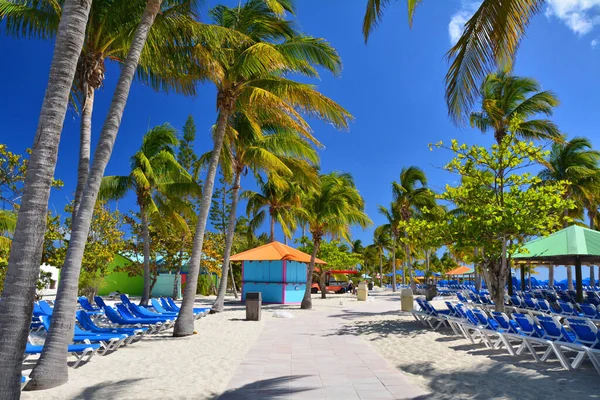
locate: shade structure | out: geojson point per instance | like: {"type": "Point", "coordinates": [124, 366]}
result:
{"type": "Point", "coordinates": [464, 270]}
{"type": "Point", "coordinates": [274, 251]}
{"type": "Point", "coordinates": [574, 245]}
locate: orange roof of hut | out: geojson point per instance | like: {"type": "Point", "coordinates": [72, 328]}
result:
{"type": "Point", "coordinates": [272, 252]}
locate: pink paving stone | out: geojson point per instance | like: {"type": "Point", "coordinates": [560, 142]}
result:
{"type": "Point", "coordinates": [308, 358]}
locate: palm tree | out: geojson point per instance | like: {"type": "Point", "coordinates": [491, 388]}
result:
{"type": "Point", "coordinates": [576, 162]}
{"type": "Point", "coordinates": [249, 79]}
{"type": "Point", "coordinates": [490, 38]}
{"type": "Point", "coordinates": [51, 369]}
{"type": "Point", "coordinates": [280, 153]}
{"type": "Point", "coordinates": [281, 203]}
{"type": "Point", "coordinates": [411, 195]}
{"type": "Point", "coordinates": [392, 215]}
{"type": "Point", "coordinates": [509, 102]}
{"type": "Point", "coordinates": [23, 270]}
{"type": "Point", "coordinates": [381, 242]}
{"type": "Point", "coordinates": [155, 175]}
{"type": "Point", "coordinates": [332, 210]}
{"type": "Point", "coordinates": [109, 31]}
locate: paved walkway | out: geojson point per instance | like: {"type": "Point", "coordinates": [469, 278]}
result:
{"type": "Point", "coordinates": [308, 357]}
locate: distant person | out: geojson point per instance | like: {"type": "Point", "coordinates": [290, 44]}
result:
{"type": "Point", "coordinates": [350, 287]}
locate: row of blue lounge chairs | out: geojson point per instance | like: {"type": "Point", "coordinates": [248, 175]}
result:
{"type": "Point", "coordinates": [571, 342]}
{"type": "Point", "coordinates": [104, 329]}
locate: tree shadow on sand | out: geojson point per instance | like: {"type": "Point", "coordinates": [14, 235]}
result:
{"type": "Point", "coordinates": [383, 329]}
{"type": "Point", "coordinates": [502, 382]}
{"type": "Point", "coordinates": [108, 390]}
{"type": "Point", "coordinates": [274, 388]}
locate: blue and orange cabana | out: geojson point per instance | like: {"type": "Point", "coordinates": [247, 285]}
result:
{"type": "Point", "coordinates": [276, 270]}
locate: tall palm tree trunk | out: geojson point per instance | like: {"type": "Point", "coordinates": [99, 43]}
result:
{"type": "Point", "coordinates": [235, 292]}
{"type": "Point", "coordinates": [178, 272]}
{"type": "Point", "coordinates": [307, 300]}
{"type": "Point", "coordinates": [85, 137]}
{"type": "Point", "coordinates": [413, 284]}
{"type": "Point", "coordinates": [394, 264]}
{"type": "Point", "coordinates": [380, 269]}
{"type": "Point", "coordinates": [569, 277]}
{"type": "Point", "coordinates": [272, 228]}
{"type": "Point", "coordinates": [146, 237]}
{"type": "Point", "coordinates": [184, 326]}
{"type": "Point", "coordinates": [235, 195]}
{"type": "Point", "coordinates": [16, 306]}
{"type": "Point", "coordinates": [51, 369]}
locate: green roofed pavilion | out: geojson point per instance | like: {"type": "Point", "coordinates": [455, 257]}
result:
{"type": "Point", "coordinates": [574, 245]}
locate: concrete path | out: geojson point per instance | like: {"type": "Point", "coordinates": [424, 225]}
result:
{"type": "Point", "coordinates": [308, 357]}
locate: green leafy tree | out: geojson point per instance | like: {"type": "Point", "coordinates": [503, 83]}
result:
{"type": "Point", "coordinates": [576, 162]}
{"type": "Point", "coordinates": [499, 206]}
{"type": "Point", "coordinates": [381, 242]}
{"type": "Point", "coordinates": [335, 254]}
{"type": "Point", "coordinates": [220, 208]}
{"type": "Point", "coordinates": [253, 79]}
{"type": "Point", "coordinates": [333, 210]}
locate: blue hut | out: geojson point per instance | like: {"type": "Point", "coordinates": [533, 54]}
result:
{"type": "Point", "coordinates": [276, 270]}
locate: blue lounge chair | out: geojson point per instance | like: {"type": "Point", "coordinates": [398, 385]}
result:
{"type": "Point", "coordinates": [160, 309]}
{"type": "Point", "coordinates": [199, 312]}
{"type": "Point", "coordinates": [562, 339]}
{"type": "Point", "coordinates": [100, 302]}
{"type": "Point", "coordinates": [142, 312]}
{"type": "Point", "coordinates": [109, 342]}
{"type": "Point", "coordinates": [587, 334]}
{"type": "Point", "coordinates": [590, 311]}
{"type": "Point", "coordinates": [86, 322]}
{"type": "Point", "coordinates": [126, 312]}
{"type": "Point", "coordinates": [531, 303]}
{"type": "Point", "coordinates": [80, 351]}
{"type": "Point", "coordinates": [85, 304]}
{"type": "Point", "coordinates": [568, 309]}
{"type": "Point", "coordinates": [130, 321]}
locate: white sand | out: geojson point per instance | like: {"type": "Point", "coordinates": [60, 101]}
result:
{"type": "Point", "coordinates": [163, 367]}
{"type": "Point", "coordinates": [450, 367]}
{"type": "Point", "coordinates": [199, 367]}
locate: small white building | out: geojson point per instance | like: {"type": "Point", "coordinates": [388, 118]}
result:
{"type": "Point", "coordinates": [50, 289]}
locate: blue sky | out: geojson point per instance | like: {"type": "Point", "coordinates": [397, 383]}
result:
{"type": "Point", "coordinates": [393, 87]}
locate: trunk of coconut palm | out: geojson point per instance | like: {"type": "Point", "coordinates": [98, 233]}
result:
{"type": "Point", "coordinates": [272, 225]}
{"type": "Point", "coordinates": [323, 283]}
{"type": "Point", "coordinates": [51, 369]}
{"type": "Point", "coordinates": [175, 295]}
{"type": "Point", "coordinates": [184, 326]}
{"type": "Point", "coordinates": [218, 304]}
{"type": "Point", "coordinates": [381, 269]}
{"type": "Point", "coordinates": [85, 137]}
{"type": "Point", "coordinates": [413, 284]}
{"type": "Point", "coordinates": [394, 263]}
{"type": "Point", "coordinates": [307, 300]}
{"type": "Point", "coordinates": [24, 263]}
{"type": "Point", "coordinates": [569, 277]}
{"type": "Point", "coordinates": [235, 293]}
{"type": "Point", "coordinates": [146, 237]}
{"type": "Point", "coordinates": [551, 276]}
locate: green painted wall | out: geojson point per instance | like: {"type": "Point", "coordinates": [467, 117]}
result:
{"type": "Point", "coordinates": [120, 281]}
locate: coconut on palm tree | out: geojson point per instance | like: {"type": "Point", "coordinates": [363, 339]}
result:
{"type": "Point", "coordinates": [574, 161]}
{"type": "Point", "coordinates": [333, 210]}
{"type": "Point", "coordinates": [280, 153]}
{"type": "Point", "coordinates": [251, 78]}
{"type": "Point", "coordinates": [155, 174]}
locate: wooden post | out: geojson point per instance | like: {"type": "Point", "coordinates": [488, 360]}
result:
{"type": "Point", "coordinates": [522, 278]}
{"type": "Point", "coordinates": [578, 279]}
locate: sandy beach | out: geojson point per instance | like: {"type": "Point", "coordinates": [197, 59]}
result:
{"type": "Point", "coordinates": [201, 366]}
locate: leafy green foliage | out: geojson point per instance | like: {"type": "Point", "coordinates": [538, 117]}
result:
{"type": "Point", "coordinates": [333, 252]}
{"type": "Point", "coordinates": [220, 207]}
